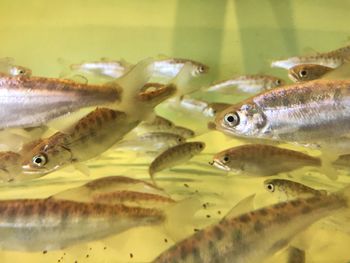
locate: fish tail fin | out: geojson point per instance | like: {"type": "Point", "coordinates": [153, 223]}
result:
{"type": "Point", "coordinates": [132, 83]}
{"type": "Point", "coordinates": [180, 217]}
{"type": "Point", "coordinates": [182, 79]}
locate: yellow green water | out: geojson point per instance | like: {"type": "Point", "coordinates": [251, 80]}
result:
{"type": "Point", "coordinates": [230, 36]}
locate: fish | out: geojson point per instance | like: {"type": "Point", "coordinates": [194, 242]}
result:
{"type": "Point", "coordinates": [303, 113]}
{"type": "Point", "coordinates": [332, 59]}
{"type": "Point", "coordinates": [118, 190]}
{"type": "Point", "coordinates": [203, 108]}
{"type": "Point", "coordinates": [53, 224]}
{"type": "Point", "coordinates": [92, 135]}
{"type": "Point", "coordinates": [287, 189]}
{"type": "Point", "coordinates": [247, 84]}
{"type": "Point", "coordinates": [262, 160]}
{"type": "Point", "coordinates": [43, 99]}
{"type": "Point", "coordinates": [156, 124]}
{"type": "Point", "coordinates": [256, 235]}
{"type": "Point", "coordinates": [152, 141]}
{"type": "Point", "coordinates": [171, 67]}
{"type": "Point", "coordinates": [183, 131]}
{"type": "Point", "coordinates": [10, 166]}
{"type": "Point", "coordinates": [104, 68]}
{"type": "Point", "coordinates": [307, 72]}
{"type": "Point", "coordinates": [175, 156]}
{"type": "Point", "coordinates": [296, 255]}
{"type": "Point", "coordinates": [7, 67]}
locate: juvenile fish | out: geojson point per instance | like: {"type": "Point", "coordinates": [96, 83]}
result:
{"type": "Point", "coordinates": [262, 160]}
{"type": "Point", "coordinates": [343, 161]}
{"type": "Point", "coordinates": [29, 102]}
{"type": "Point", "coordinates": [88, 138]}
{"type": "Point", "coordinates": [307, 72]}
{"type": "Point", "coordinates": [175, 156]}
{"type": "Point", "coordinates": [103, 68]}
{"type": "Point", "coordinates": [153, 141]}
{"type": "Point", "coordinates": [287, 189]}
{"type": "Point", "coordinates": [170, 67]}
{"type": "Point", "coordinates": [304, 113]}
{"type": "Point", "coordinates": [118, 190]}
{"type": "Point", "coordinates": [247, 83]}
{"type": "Point", "coordinates": [254, 236]}
{"type": "Point", "coordinates": [332, 59]}
{"type": "Point", "coordinates": [7, 67]}
{"type": "Point", "coordinates": [183, 131]}
{"type": "Point", "coordinates": [156, 124]}
{"type": "Point", "coordinates": [51, 224]}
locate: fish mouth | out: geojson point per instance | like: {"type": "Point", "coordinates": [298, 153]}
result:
{"type": "Point", "coordinates": [293, 76]}
{"type": "Point", "coordinates": [219, 165]}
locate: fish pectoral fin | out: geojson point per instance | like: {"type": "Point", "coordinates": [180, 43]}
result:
{"type": "Point", "coordinates": [83, 168]}
{"type": "Point", "coordinates": [243, 206]}
{"type": "Point", "coordinates": [342, 72]}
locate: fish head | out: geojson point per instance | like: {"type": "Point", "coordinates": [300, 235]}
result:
{"type": "Point", "coordinates": [276, 82]}
{"type": "Point", "coordinates": [197, 147]}
{"type": "Point", "coordinates": [199, 69]}
{"type": "Point", "coordinates": [228, 160]}
{"type": "Point", "coordinates": [46, 157]}
{"type": "Point", "coordinates": [20, 71]}
{"type": "Point", "coordinates": [306, 72]}
{"type": "Point", "coordinates": [270, 185]}
{"type": "Point", "coordinates": [243, 120]}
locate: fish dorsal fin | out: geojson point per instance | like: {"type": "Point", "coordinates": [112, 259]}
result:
{"type": "Point", "coordinates": [244, 206]}
{"type": "Point", "coordinates": [342, 72]}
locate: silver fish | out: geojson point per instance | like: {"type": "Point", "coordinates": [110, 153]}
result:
{"type": "Point", "coordinates": [332, 59]}
{"type": "Point", "coordinates": [7, 67]}
{"type": "Point", "coordinates": [254, 236]}
{"type": "Point", "coordinates": [247, 83]}
{"type": "Point", "coordinates": [305, 113]}
{"type": "Point", "coordinates": [103, 68]}
{"type": "Point", "coordinates": [170, 67]}
{"type": "Point", "coordinates": [29, 102]}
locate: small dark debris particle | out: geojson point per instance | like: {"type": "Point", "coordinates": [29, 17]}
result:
{"type": "Point", "coordinates": [90, 248]}
{"type": "Point", "coordinates": [64, 254]}
{"type": "Point", "coordinates": [131, 255]}
{"type": "Point", "coordinates": [196, 191]}
{"type": "Point", "coordinates": [208, 216]}
{"type": "Point", "coordinates": [58, 260]}
{"type": "Point", "coordinates": [219, 212]}
{"type": "Point", "coordinates": [196, 229]}
{"type": "Point", "coordinates": [45, 251]}
{"type": "Point", "coordinates": [186, 185]}
{"type": "Point", "coordinates": [165, 240]}
{"type": "Point", "coordinates": [205, 206]}
{"type": "Point", "coordinates": [76, 261]}
{"type": "Point", "coordinates": [105, 248]}
{"type": "Point", "coordinates": [87, 255]}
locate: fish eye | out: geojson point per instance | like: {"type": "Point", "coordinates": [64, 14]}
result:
{"type": "Point", "coordinates": [21, 72]}
{"type": "Point", "coordinates": [179, 140]}
{"type": "Point", "coordinates": [201, 69]}
{"type": "Point", "coordinates": [302, 73]}
{"type": "Point", "coordinates": [270, 188]}
{"type": "Point", "coordinates": [200, 146]}
{"type": "Point", "coordinates": [232, 119]}
{"type": "Point", "coordinates": [226, 159]}
{"type": "Point", "coordinates": [39, 160]}
{"type": "Point", "coordinates": [278, 82]}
